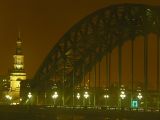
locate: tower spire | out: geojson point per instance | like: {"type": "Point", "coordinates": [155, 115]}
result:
{"type": "Point", "coordinates": [19, 35]}
{"type": "Point", "coordinates": [19, 45]}
{"type": "Point", "coordinates": [18, 74]}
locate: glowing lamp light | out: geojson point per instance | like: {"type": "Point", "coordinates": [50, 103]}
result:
{"type": "Point", "coordinates": [122, 95]}
{"type": "Point", "coordinates": [29, 95]}
{"type": "Point", "coordinates": [106, 96]}
{"type": "Point", "coordinates": [8, 97]}
{"type": "Point", "coordinates": [78, 96]}
{"type": "Point", "coordinates": [86, 95]}
{"type": "Point", "coordinates": [55, 95]}
{"type": "Point", "coordinates": [139, 96]}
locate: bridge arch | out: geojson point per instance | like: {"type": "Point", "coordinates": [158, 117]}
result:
{"type": "Point", "coordinates": [96, 36]}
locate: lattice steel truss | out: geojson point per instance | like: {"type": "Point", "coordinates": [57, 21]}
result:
{"type": "Point", "coordinates": [95, 35]}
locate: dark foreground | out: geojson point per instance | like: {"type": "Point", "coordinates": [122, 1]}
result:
{"type": "Point", "coordinates": [74, 113]}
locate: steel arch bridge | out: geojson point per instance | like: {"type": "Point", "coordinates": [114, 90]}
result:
{"type": "Point", "coordinates": [79, 53]}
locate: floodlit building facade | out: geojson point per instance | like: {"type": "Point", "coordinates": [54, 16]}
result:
{"type": "Point", "coordinates": [17, 73]}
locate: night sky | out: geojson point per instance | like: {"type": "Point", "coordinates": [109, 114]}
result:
{"type": "Point", "coordinates": [42, 24]}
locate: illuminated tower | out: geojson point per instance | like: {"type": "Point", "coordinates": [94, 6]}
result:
{"type": "Point", "coordinates": [18, 74]}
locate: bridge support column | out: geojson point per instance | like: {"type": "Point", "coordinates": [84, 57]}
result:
{"type": "Point", "coordinates": [145, 70]}
{"type": "Point", "coordinates": [120, 65]}
{"type": "Point", "coordinates": [94, 98]}
{"type": "Point", "coordinates": [108, 62]}
{"type": "Point", "coordinates": [73, 92]}
{"type": "Point", "coordinates": [119, 74]}
{"type": "Point", "coordinates": [158, 82]}
{"type": "Point", "coordinates": [64, 77]}
{"type": "Point", "coordinates": [132, 69]}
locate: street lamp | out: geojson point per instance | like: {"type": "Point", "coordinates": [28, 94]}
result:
{"type": "Point", "coordinates": [55, 96]}
{"type": "Point", "coordinates": [122, 92]}
{"type": "Point", "coordinates": [20, 100]}
{"type": "Point", "coordinates": [106, 96]}
{"type": "Point", "coordinates": [139, 96]}
{"type": "Point", "coordinates": [29, 95]}
{"type": "Point", "coordinates": [86, 95]}
{"type": "Point", "coordinates": [122, 95]}
{"type": "Point", "coordinates": [78, 96]}
{"type": "Point", "coordinates": [86, 99]}
{"type": "Point", "coordinates": [8, 97]}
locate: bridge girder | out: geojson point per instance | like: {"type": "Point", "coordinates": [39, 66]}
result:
{"type": "Point", "coordinates": [95, 35]}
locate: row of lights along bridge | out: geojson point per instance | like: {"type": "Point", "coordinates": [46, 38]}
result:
{"type": "Point", "coordinates": [83, 98]}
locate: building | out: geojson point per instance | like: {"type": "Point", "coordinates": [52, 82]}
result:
{"type": "Point", "coordinates": [17, 73]}
{"type": "Point", "coordinates": [4, 87]}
